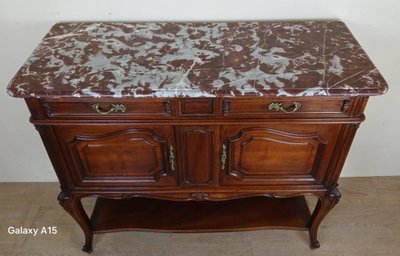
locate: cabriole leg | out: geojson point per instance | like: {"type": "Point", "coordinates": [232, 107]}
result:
{"type": "Point", "coordinates": [324, 205]}
{"type": "Point", "coordinates": [74, 208]}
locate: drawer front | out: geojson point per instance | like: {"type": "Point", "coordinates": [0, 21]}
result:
{"type": "Point", "coordinates": [99, 109]}
{"type": "Point", "coordinates": [277, 153]}
{"type": "Point", "coordinates": [196, 107]}
{"type": "Point", "coordinates": [287, 107]}
{"type": "Point", "coordinates": [119, 155]}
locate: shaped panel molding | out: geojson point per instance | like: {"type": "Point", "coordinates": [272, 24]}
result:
{"type": "Point", "coordinates": [198, 146]}
{"type": "Point", "coordinates": [131, 155]}
{"type": "Point", "coordinates": [259, 154]}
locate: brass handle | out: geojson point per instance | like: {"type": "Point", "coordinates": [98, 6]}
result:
{"type": "Point", "coordinates": [278, 107]}
{"type": "Point", "coordinates": [114, 108]}
{"type": "Point", "coordinates": [172, 158]}
{"type": "Point", "coordinates": [223, 157]}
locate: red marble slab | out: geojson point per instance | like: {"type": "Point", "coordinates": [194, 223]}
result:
{"type": "Point", "coordinates": [205, 59]}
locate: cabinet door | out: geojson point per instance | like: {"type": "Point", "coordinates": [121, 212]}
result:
{"type": "Point", "coordinates": [277, 153]}
{"type": "Point", "coordinates": [118, 155]}
{"type": "Point", "coordinates": [198, 147]}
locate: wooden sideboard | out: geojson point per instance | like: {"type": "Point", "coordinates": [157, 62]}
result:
{"type": "Point", "coordinates": [198, 127]}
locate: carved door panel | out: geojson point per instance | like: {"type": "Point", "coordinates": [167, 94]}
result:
{"type": "Point", "coordinates": [119, 155]}
{"type": "Point", "coordinates": [198, 154]}
{"type": "Point", "coordinates": [277, 153]}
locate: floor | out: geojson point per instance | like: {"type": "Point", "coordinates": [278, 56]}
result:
{"type": "Point", "coordinates": [365, 222]}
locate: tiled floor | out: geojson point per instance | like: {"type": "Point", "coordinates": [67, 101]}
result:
{"type": "Point", "coordinates": [365, 222]}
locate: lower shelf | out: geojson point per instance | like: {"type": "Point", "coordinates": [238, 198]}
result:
{"type": "Point", "coordinates": [205, 216]}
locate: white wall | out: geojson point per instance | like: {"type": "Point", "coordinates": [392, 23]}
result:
{"type": "Point", "coordinates": [374, 23]}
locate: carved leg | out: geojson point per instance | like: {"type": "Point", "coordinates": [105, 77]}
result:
{"type": "Point", "coordinates": [75, 209]}
{"type": "Point", "coordinates": [324, 205]}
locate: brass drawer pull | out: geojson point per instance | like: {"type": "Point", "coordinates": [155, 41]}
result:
{"type": "Point", "coordinates": [114, 108]}
{"type": "Point", "coordinates": [278, 107]}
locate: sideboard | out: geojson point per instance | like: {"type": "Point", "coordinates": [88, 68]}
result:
{"type": "Point", "coordinates": [198, 127]}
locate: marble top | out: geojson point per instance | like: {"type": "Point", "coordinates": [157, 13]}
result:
{"type": "Point", "coordinates": [204, 59]}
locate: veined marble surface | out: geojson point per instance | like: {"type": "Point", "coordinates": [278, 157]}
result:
{"type": "Point", "coordinates": [157, 59]}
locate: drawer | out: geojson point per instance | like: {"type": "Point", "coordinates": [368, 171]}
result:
{"type": "Point", "coordinates": [193, 107]}
{"type": "Point", "coordinates": [106, 108]}
{"type": "Point", "coordinates": [287, 107]}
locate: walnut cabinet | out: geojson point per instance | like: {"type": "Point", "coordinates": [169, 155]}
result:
{"type": "Point", "coordinates": [198, 126]}
{"type": "Point", "coordinates": [212, 155]}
